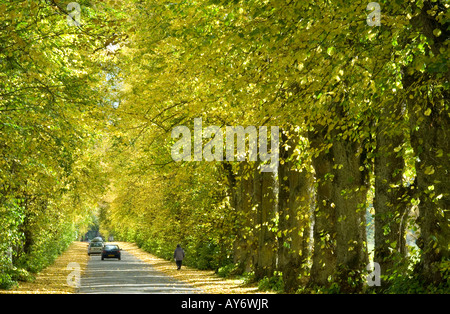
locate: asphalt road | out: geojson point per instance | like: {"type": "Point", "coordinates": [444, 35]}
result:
{"type": "Point", "coordinates": [129, 275]}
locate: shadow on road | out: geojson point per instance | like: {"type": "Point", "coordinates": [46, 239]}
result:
{"type": "Point", "coordinates": [129, 275]}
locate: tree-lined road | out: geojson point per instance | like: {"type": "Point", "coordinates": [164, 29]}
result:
{"type": "Point", "coordinates": [136, 123]}
{"type": "Point", "coordinates": [129, 275]}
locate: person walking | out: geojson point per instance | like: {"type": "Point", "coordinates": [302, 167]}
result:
{"type": "Point", "coordinates": [178, 255]}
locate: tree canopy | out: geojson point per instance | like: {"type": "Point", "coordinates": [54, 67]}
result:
{"type": "Point", "coordinates": [360, 99]}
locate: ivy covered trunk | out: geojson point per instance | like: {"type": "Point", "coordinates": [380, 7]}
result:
{"type": "Point", "coordinates": [391, 200]}
{"type": "Point", "coordinates": [430, 139]}
{"type": "Point", "coordinates": [428, 106]}
{"type": "Point", "coordinates": [265, 200]}
{"type": "Point", "coordinates": [324, 216]}
{"type": "Point", "coordinates": [293, 209]}
{"type": "Point", "coordinates": [349, 200]}
{"type": "Point", "coordinates": [244, 245]}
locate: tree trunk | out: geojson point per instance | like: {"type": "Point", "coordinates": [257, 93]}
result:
{"type": "Point", "coordinates": [265, 198]}
{"type": "Point", "coordinates": [428, 107]}
{"type": "Point", "coordinates": [293, 209]}
{"type": "Point", "coordinates": [340, 249]}
{"type": "Point", "coordinates": [244, 251]}
{"type": "Point", "coordinates": [430, 140]}
{"type": "Point", "coordinates": [390, 201]}
{"type": "Point", "coordinates": [324, 229]}
{"type": "Point", "coordinates": [349, 193]}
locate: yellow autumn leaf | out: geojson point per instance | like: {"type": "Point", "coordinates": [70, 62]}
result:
{"type": "Point", "coordinates": [429, 170]}
{"type": "Point", "coordinates": [437, 32]}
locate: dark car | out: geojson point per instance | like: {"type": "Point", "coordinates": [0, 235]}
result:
{"type": "Point", "coordinates": [111, 251]}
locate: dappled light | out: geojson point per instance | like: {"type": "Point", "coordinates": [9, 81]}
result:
{"type": "Point", "coordinates": [206, 280]}
{"type": "Point", "coordinates": [282, 146]}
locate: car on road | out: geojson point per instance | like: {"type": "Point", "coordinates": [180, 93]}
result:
{"type": "Point", "coordinates": [95, 247]}
{"type": "Point", "coordinates": [111, 251]}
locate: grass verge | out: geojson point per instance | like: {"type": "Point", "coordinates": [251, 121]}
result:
{"type": "Point", "coordinates": [53, 279]}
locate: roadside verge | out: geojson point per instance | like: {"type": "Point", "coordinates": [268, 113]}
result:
{"type": "Point", "coordinates": [53, 279]}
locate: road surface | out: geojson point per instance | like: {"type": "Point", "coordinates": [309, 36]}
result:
{"type": "Point", "coordinates": [129, 275]}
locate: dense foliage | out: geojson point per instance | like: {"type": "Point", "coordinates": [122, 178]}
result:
{"type": "Point", "coordinates": [364, 119]}
{"type": "Point", "coordinates": [52, 107]}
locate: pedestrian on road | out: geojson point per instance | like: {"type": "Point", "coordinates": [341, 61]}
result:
{"type": "Point", "coordinates": [178, 255]}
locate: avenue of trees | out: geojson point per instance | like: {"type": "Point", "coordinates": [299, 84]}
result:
{"type": "Point", "coordinates": [87, 114]}
{"type": "Point", "coordinates": [52, 107]}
